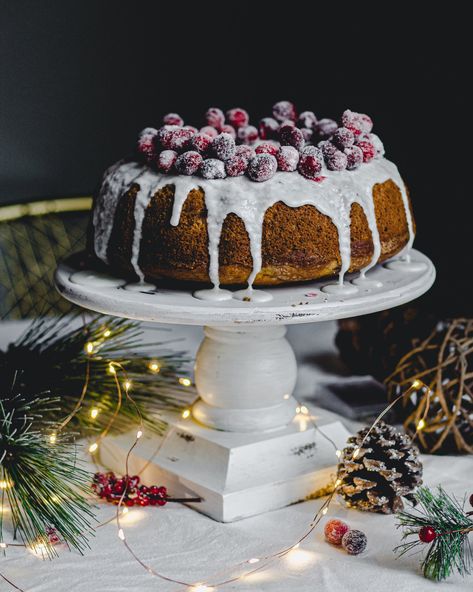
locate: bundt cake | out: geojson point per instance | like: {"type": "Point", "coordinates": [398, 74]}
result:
{"type": "Point", "coordinates": [299, 199]}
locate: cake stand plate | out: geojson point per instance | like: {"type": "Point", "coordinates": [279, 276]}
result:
{"type": "Point", "coordinates": [248, 447]}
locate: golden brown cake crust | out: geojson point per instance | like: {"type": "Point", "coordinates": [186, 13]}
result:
{"type": "Point", "coordinates": [298, 243]}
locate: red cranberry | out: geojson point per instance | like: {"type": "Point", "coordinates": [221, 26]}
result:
{"type": "Point", "coordinates": [336, 161]}
{"type": "Point", "coordinates": [310, 165]}
{"type": "Point", "coordinates": [368, 150]}
{"type": "Point", "coordinates": [174, 138]}
{"type": "Point", "coordinates": [188, 163]}
{"type": "Point", "coordinates": [307, 119]}
{"type": "Point", "coordinates": [212, 168]}
{"type": "Point", "coordinates": [313, 151]}
{"type": "Point", "coordinates": [130, 503]}
{"type": "Point", "coordinates": [161, 502]}
{"type": "Point", "coordinates": [238, 117]}
{"type": "Point", "coordinates": [284, 110]}
{"type": "Point", "coordinates": [288, 158]}
{"type": "Point", "coordinates": [165, 135]}
{"type": "Point", "coordinates": [173, 119]}
{"type": "Point", "coordinates": [144, 501]}
{"type": "Point", "coordinates": [326, 127]}
{"type": "Point", "coordinates": [166, 160]}
{"type": "Point", "coordinates": [209, 130]}
{"type": "Point", "coordinates": [215, 117]}
{"type": "Point", "coordinates": [146, 143]}
{"type": "Point", "coordinates": [267, 148]}
{"type": "Point", "coordinates": [354, 157]}
{"type": "Point", "coordinates": [378, 145]}
{"type": "Point", "coordinates": [291, 136]}
{"type": "Point", "coordinates": [191, 128]}
{"type": "Point", "coordinates": [427, 534]}
{"type": "Point", "coordinates": [262, 167]}
{"type": "Point", "coordinates": [228, 129]}
{"type": "Point", "coordinates": [358, 123]}
{"type": "Point", "coordinates": [268, 128]}
{"type": "Point", "coordinates": [247, 134]}
{"type": "Point", "coordinates": [343, 138]}
{"type": "Point", "coordinates": [200, 142]}
{"type": "Point", "coordinates": [245, 150]}
{"type": "Point", "coordinates": [287, 122]}
{"type": "Point", "coordinates": [236, 165]}
{"type": "Point", "coordinates": [223, 146]}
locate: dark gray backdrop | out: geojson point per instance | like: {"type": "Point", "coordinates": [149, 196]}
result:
{"type": "Point", "coordinates": [78, 80]}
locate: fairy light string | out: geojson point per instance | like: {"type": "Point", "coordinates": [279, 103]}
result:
{"type": "Point", "coordinates": [248, 566]}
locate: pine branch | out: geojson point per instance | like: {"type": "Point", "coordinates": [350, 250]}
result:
{"type": "Point", "coordinates": [450, 551]}
{"type": "Point", "coordinates": [53, 360]}
{"type": "Point", "coordinates": [43, 482]}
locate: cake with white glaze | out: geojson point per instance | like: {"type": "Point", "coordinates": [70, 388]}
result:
{"type": "Point", "coordinates": [296, 199]}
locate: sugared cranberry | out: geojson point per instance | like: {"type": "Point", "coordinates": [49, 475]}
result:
{"type": "Point", "coordinates": [326, 127]}
{"type": "Point", "coordinates": [173, 119]}
{"type": "Point", "coordinates": [191, 128]}
{"type": "Point", "coordinates": [228, 129]}
{"type": "Point", "coordinates": [336, 161]}
{"type": "Point", "coordinates": [166, 160]}
{"type": "Point", "coordinates": [287, 122]}
{"type": "Point", "coordinates": [307, 119]}
{"type": "Point", "coordinates": [215, 117]}
{"type": "Point", "coordinates": [291, 136]}
{"type": "Point", "coordinates": [310, 165]}
{"type": "Point", "coordinates": [343, 138]}
{"type": "Point", "coordinates": [174, 138]}
{"type": "Point", "coordinates": [146, 143]}
{"type": "Point", "coordinates": [236, 165]}
{"type": "Point", "coordinates": [223, 146]}
{"type": "Point", "coordinates": [284, 110]}
{"type": "Point", "coordinates": [200, 142]}
{"type": "Point", "coordinates": [267, 148]}
{"type": "Point", "coordinates": [358, 123]}
{"type": "Point", "coordinates": [307, 133]}
{"type": "Point", "coordinates": [313, 151]}
{"type": "Point", "coordinates": [209, 130]}
{"type": "Point", "coordinates": [247, 134]}
{"type": "Point", "coordinates": [354, 157]}
{"type": "Point", "coordinates": [245, 150]}
{"type": "Point", "coordinates": [288, 158]}
{"type": "Point", "coordinates": [262, 167]}
{"type": "Point", "coordinates": [238, 117]}
{"type": "Point", "coordinates": [212, 168]}
{"type": "Point", "coordinates": [368, 150]}
{"type": "Point", "coordinates": [375, 140]}
{"type": "Point", "coordinates": [188, 163]}
{"type": "Point", "coordinates": [165, 134]}
{"type": "Point", "coordinates": [328, 149]}
{"type": "Point", "coordinates": [268, 128]}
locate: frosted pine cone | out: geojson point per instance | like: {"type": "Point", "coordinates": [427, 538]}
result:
{"type": "Point", "coordinates": [386, 468]}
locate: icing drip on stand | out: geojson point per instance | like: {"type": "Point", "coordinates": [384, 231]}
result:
{"type": "Point", "coordinates": [333, 196]}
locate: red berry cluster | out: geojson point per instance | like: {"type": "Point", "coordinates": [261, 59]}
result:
{"type": "Point", "coordinates": [110, 487]}
{"type": "Point", "coordinates": [285, 142]}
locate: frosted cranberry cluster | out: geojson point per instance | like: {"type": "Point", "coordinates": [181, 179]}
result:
{"type": "Point", "coordinates": [230, 146]}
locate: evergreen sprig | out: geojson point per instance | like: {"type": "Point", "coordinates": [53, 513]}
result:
{"type": "Point", "coordinates": [53, 360]}
{"type": "Point", "coordinates": [450, 551]}
{"type": "Point", "coordinates": [42, 481]}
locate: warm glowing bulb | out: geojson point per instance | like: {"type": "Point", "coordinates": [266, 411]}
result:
{"type": "Point", "coordinates": [107, 333]}
{"type": "Point", "coordinates": [93, 447]}
{"type": "Point", "coordinates": [154, 367]}
{"type": "Point", "coordinates": [417, 384]}
{"type": "Point", "coordinates": [286, 396]}
{"type": "Point", "coordinates": [304, 410]}
{"type": "Point", "coordinates": [125, 510]}
{"type": "Point", "coordinates": [3, 545]}
{"type": "Point", "coordinates": [296, 546]}
{"type": "Point", "coordinates": [127, 385]}
{"type": "Point", "coordinates": [111, 369]}
{"type": "Point", "coordinates": [185, 381]}
{"type": "Point", "coordinates": [338, 453]}
{"type": "Point", "coordinates": [121, 534]}
{"type": "Point", "coordinates": [356, 452]}
{"type": "Point", "coordinates": [53, 438]}
{"type": "Point", "coordinates": [421, 424]}
{"type": "Point", "coordinates": [89, 347]}
{"type": "Point", "coordinates": [338, 482]}
{"type": "Point", "coordinates": [253, 560]}
{"type": "Point", "coordinates": [4, 484]}
{"type": "Point", "coordinates": [200, 588]}
{"type": "Point", "coordinates": [298, 409]}
{"type": "Point", "coordinates": [139, 433]}
{"type": "Point", "coordinates": [186, 413]}
{"type": "Point", "coordinates": [324, 511]}
{"type": "Point", "coordinates": [94, 412]}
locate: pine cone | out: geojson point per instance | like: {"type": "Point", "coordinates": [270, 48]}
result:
{"type": "Point", "coordinates": [386, 468]}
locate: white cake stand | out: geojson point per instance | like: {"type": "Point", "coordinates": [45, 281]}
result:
{"type": "Point", "coordinates": [246, 449]}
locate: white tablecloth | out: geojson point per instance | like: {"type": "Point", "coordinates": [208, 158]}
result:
{"type": "Point", "coordinates": [184, 544]}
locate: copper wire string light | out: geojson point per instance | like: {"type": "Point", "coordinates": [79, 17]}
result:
{"type": "Point", "coordinates": [248, 566]}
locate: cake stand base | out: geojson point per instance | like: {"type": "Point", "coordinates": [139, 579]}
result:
{"type": "Point", "coordinates": [237, 475]}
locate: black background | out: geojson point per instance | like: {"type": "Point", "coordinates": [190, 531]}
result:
{"type": "Point", "coordinates": [78, 80]}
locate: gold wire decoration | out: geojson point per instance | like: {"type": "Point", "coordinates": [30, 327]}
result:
{"type": "Point", "coordinates": [444, 361]}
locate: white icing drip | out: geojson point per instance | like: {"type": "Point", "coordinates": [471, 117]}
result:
{"type": "Point", "coordinates": [333, 197]}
